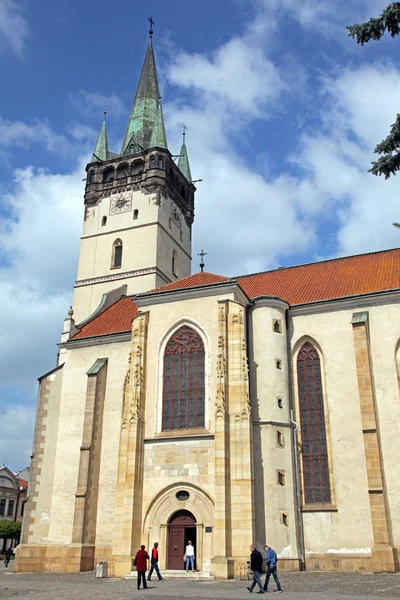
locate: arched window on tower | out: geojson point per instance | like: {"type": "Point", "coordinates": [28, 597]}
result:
{"type": "Point", "coordinates": [91, 176]}
{"type": "Point", "coordinates": [160, 162]}
{"type": "Point", "coordinates": [183, 381]}
{"type": "Point", "coordinates": [116, 254]}
{"type": "Point", "coordinates": [174, 265]}
{"type": "Point", "coordinates": [316, 481]}
{"type": "Point", "coordinates": [152, 162]}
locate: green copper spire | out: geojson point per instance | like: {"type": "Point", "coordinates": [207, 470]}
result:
{"type": "Point", "coordinates": [158, 136]}
{"type": "Point", "coordinates": [101, 149]}
{"type": "Point", "coordinates": [144, 109]}
{"type": "Point", "coordinates": [183, 162]}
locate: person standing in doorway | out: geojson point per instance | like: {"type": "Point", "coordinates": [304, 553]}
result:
{"type": "Point", "coordinates": [256, 561]}
{"type": "Point", "coordinates": [154, 563]}
{"type": "Point", "coordinates": [141, 566]}
{"type": "Point", "coordinates": [272, 568]}
{"type": "Point", "coordinates": [189, 556]}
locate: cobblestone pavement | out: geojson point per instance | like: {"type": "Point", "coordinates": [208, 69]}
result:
{"type": "Point", "coordinates": [301, 586]}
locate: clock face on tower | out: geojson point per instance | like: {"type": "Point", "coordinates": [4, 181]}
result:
{"type": "Point", "coordinates": [120, 203]}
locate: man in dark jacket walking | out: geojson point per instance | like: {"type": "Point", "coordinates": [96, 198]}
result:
{"type": "Point", "coordinates": [271, 560]}
{"type": "Point", "coordinates": [154, 563]}
{"type": "Point", "coordinates": [141, 566]}
{"type": "Point", "coordinates": [256, 561]}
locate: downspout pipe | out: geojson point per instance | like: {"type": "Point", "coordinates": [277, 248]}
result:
{"type": "Point", "coordinates": [295, 428]}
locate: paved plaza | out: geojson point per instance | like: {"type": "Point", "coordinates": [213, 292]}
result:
{"type": "Point", "coordinates": [301, 586]}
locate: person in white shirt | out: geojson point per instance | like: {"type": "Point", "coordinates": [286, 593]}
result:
{"type": "Point", "coordinates": [189, 556]}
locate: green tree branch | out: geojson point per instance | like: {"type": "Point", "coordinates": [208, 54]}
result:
{"type": "Point", "coordinates": [389, 163]}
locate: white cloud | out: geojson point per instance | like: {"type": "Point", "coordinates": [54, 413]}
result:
{"type": "Point", "coordinates": [14, 28]}
{"type": "Point", "coordinates": [16, 426]}
{"type": "Point", "coordinates": [92, 104]}
{"type": "Point", "coordinates": [24, 135]}
{"type": "Point", "coordinates": [237, 74]}
{"type": "Point", "coordinates": [39, 245]}
{"type": "Point", "coordinates": [320, 16]}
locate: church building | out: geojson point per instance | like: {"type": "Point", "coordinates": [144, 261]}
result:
{"type": "Point", "coordinates": [225, 410]}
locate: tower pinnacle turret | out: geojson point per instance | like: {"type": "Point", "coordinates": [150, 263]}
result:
{"type": "Point", "coordinates": [101, 149]}
{"type": "Point", "coordinates": [183, 162]}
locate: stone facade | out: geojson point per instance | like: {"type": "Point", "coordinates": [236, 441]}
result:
{"type": "Point", "coordinates": [120, 485]}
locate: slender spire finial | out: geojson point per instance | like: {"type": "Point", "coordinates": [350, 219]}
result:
{"type": "Point", "coordinates": [202, 254]}
{"type": "Point", "coordinates": [184, 134]}
{"type": "Point", "coordinates": [151, 27]}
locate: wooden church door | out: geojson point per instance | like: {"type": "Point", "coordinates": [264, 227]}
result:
{"type": "Point", "coordinates": [181, 524]}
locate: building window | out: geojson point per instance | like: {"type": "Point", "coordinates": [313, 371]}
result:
{"type": "Point", "coordinates": [160, 162]}
{"type": "Point", "coordinates": [152, 162]}
{"type": "Point", "coordinates": [135, 213]}
{"type": "Point", "coordinates": [277, 326]}
{"type": "Point", "coordinates": [279, 402]}
{"type": "Point", "coordinates": [174, 265]}
{"type": "Point", "coordinates": [104, 221]}
{"type": "Point", "coordinates": [109, 175]}
{"type": "Point", "coordinates": [91, 176]}
{"type": "Point", "coordinates": [278, 364]}
{"type": "Point", "coordinates": [10, 508]}
{"type": "Point", "coordinates": [285, 519]}
{"type": "Point", "coordinates": [23, 508]}
{"type": "Point", "coordinates": [117, 254]}
{"type": "Point", "coordinates": [312, 426]}
{"type": "Point", "coordinates": [280, 439]}
{"type": "Point", "coordinates": [2, 506]}
{"type": "Point", "coordinates": [183, 381]}
{"type": "Point", "coordinates": [280, 478]}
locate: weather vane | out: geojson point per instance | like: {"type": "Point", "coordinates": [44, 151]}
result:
{"type": "Point", "coordinates": [202, 254]}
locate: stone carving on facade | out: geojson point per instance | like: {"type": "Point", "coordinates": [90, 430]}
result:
{"type": "Point", "coordinates": [134, 381]}
{"type": "Point", "coordinates": [220, 404]}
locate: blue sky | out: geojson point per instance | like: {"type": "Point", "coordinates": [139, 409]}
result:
{"type": "Point", "coordinates": [283, 112]}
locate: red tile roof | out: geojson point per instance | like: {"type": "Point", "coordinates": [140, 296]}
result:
{"type": "Point", "coordinates": [23, 483]}
{"type": "Point", "coordinates": [326, 280]}
{"type": "Point", "coordinates": [115, 319]}
{"type": "Point", "coordinates": [196, 280]}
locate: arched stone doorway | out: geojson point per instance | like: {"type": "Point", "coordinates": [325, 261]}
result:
{"type": "Point", "coordinates": [181, 529]}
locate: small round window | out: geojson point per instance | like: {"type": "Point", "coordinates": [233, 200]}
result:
{"type": "Point", "coordinates": [182, 495]}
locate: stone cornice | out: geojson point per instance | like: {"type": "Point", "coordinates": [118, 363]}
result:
{"type": "Point", "coordinates": [99, 340]}
{"type": "Point", "coordinates": [176, 438]}
{"type": "Point", "coordinates": [270, 302]}
{"type": "Point", "coordinates": [193, 293]}
{"type": "Point", "coordinates": [125, 275]}
{"type": "Point", "coordinates": [349, 303]}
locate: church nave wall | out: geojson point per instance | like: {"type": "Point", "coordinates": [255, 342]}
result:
{"type": "Point", "coordinates": [347, 530]}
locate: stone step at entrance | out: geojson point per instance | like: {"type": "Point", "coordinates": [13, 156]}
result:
{"type": "Point", "coordinates": [178, 574]}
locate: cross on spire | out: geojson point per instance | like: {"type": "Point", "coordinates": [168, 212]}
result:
{"type": "Point", "coordinates": [202, 254]}
{"type": "Point", "coordinates": [151, 26]}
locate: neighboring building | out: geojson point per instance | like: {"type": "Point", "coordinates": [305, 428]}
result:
{"type": "Point", "coordinates": [13, 492]}
{"type": "Point", "coordinates": [174, 413]}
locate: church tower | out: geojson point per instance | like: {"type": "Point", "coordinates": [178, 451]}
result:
{"type": "Point", "coordinates": [139, 206]}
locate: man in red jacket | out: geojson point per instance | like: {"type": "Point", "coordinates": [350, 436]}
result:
{"type": "Point", "coordinates": [141, 566]}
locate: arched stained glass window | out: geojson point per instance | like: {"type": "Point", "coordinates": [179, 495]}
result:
{"type": "Point", "coordinates": [183, 384]}
{"type": "Point", "coordinates": [313, 431]}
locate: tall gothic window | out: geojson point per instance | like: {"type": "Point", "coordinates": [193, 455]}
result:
{"type": "Point", "coordinates": [117, 254]}
{"type": "Point", "coordinates": [183, 385]}
{"type": "Point", "coordinates": [313, 431]}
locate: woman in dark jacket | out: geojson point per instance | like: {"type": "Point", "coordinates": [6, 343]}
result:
{"type": "Point", "coordinates": [141, 566]}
